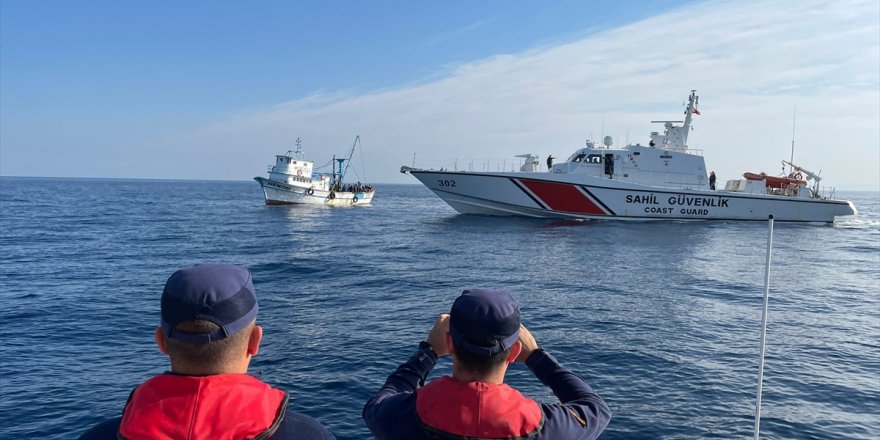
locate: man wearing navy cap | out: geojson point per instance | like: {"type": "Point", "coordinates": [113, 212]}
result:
{"type": "Point", "coordinates": [209, 332]}
{"type": "Point", "coordinates": [484, 335]}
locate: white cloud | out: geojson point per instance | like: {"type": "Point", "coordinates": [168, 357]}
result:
{"type": "Point", "coordinates": [753, 63]}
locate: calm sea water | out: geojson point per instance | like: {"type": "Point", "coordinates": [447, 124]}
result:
{"type": "Point", "coordinates": [663, 319]}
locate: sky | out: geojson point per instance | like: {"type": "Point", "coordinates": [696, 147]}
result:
{"type": "Point", "coordinates": [213, 90]}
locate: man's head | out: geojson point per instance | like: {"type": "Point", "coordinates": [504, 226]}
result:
{"type": "Point", "coordinates": [208, 315]}
{"type": "Point", "coordinates": [483, 328]}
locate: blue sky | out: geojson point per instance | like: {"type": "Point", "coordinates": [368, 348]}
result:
{"type": "Point", "coordinates": [150, 89]}
{"type": "Point", "coordinates": [173, 64]}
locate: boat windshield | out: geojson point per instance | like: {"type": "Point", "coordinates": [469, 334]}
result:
{"type": "Point", "coordinates": [586, 158]}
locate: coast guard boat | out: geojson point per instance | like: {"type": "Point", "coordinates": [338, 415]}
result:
{"type": "Point", "coordinates": [292, 180]}
{"type": "Point", "coordinates": [663, 180]}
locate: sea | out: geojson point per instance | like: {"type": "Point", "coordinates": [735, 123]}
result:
{"type": "Point", "coordinates": [662, 319]}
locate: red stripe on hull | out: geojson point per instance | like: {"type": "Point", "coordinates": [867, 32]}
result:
{"type": "Point", "coordinates": [563, 197]}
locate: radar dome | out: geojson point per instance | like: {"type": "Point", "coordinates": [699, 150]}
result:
{"type": "Point", "coordinates": [608, 141]}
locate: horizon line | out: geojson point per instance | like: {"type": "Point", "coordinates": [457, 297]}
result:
{"type": "Point", "coordinates": [845, 187]}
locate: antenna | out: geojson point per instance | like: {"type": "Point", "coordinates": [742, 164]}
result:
{"type": "Point", "coordinates": [793, 122]}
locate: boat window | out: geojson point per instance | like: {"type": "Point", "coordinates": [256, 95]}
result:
{"type": "Point", "coordinates": [579, 157]}
{"type": "Point", "coordinates": [280, 159]}
{"type": "Point", "coordinates": [594, 158]}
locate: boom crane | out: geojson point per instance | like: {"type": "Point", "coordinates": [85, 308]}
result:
{"type": "Point", "coordinates": [809, 174]}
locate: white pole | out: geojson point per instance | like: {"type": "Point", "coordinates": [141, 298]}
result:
{"type": "Point", "coordinates": [763, 329]}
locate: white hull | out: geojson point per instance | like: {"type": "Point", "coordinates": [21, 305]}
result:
{"type": "Point", "coordinates": [280, 193]}
{"type": "Point", "coordinates": [551, 195]}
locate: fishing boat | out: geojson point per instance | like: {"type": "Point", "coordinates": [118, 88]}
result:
{"type": "Point", "coordinates": [293, 180]}
{"type": "Point", "coordinates": [664, 180]}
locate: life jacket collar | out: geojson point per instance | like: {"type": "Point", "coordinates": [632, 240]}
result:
{"type": "Point", "coordinates": [449, 408]}
{"type": "Point", "coordinates": [217, 407]}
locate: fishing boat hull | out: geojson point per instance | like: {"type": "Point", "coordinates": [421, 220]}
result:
{"type": "Point", "coordinates": [281, 193]}
{"type": "Point", "coordinates": [550, 195]}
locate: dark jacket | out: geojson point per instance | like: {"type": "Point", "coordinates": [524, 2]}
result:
{"type": "Point", "coordinates": [226, 406]}
{"type": "Point", "coordinates": [475, 410]}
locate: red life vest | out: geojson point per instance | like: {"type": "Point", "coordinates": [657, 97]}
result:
{"type": "Point", "coordinates": [477, 410]}
{"type": "Point", "coordinates": [219, 407]}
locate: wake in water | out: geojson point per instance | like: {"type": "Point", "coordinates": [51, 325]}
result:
{"type": "Point", "coordinates": [857, 222]}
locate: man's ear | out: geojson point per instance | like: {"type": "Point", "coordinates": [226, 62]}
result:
{"type": "Point", "coordinates": [161, 342]}
{"type": "Point", "coordinates": [514, 352]}
{"type": "Point", "coordinates": [254, 340]}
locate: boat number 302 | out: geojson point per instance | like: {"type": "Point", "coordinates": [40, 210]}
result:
{"type": "Point", "coordinates": [449, 183]}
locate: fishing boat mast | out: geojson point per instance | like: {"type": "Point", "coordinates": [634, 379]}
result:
{"type": "Point", "coordinates": [298, 153]}
{"type": "Point", "coordinates": [347, 160]}
{"type": "Point", "coordinates": [341, 165]}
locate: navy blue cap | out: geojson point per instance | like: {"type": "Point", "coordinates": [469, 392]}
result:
{"type": "Point", "coordinates": [220, 293]}
{"type": "Point", "coordinates": [480, 316]}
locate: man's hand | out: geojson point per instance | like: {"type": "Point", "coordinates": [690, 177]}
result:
{"type": "Point", "coordinates": [437, 336]}
{"type": "Point", "coordinates": [529, 345]}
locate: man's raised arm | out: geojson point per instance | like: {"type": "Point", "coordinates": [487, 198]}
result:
{"type": "Point", "coordinates": [581, 413]}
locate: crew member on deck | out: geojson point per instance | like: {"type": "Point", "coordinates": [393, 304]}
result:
{"type": "Point", "coordinates": [209, 332]}
{"type": "Point", "coordinates": [550, 162]}
{"type": "Point", "coordinates": [712, 180]}
{"type": "Point", "coordinates": [483, 334]}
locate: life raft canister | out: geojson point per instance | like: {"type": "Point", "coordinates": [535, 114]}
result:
{"type": "Point", "coordinates": [171, 406]}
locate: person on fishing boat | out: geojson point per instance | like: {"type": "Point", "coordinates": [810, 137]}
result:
{"type": "Point", "coordinates": [208, 330]}
{"type": "Point", "coordinates": [483, 334]}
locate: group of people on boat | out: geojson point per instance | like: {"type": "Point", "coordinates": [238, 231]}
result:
{"type": "Point", "coordinates": [356, 188]}
{"type": "Point", "coordinates": [209, 332]}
